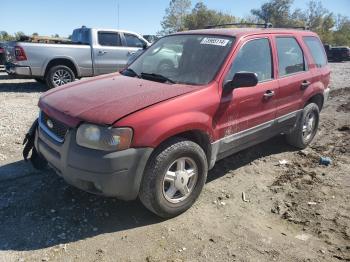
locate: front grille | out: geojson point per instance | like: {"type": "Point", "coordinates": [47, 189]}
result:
{"type": "Point", "coordinates": [53, 127]}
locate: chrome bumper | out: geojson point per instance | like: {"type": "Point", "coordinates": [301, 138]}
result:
{"type": "Point", "coordinates": [13, 69]}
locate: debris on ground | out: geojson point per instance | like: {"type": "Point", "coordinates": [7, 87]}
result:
{"type": "Point", "coordinates": [244, 198]}
{"type": "Point", "coordinates": [326, 161]}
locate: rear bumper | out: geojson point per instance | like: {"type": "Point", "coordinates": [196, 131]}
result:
{"type": "Point", "coordinates": [114, 174]}
{"type": "Point", "coordinates": [13, 69]}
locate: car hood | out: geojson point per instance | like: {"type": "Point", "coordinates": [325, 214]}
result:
{"type": "Point", "coordinates": [107, 98]}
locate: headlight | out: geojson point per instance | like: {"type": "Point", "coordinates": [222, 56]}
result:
{"type": "Point", "coordinates": [104, 138]}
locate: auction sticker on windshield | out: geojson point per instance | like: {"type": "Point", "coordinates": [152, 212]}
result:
{"type": "Point", "coordinates": [214, 41]}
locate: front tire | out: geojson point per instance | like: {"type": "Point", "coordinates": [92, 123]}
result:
{"type": "Point", "coordinates": [306, 128]}
{"type": "Point", "coordinates": [59, 75]}
{"type": "Point", "coordinates": [174, 177]}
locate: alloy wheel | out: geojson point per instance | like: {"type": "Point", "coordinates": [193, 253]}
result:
{"type": "Point", "coordinates": [180, 179]}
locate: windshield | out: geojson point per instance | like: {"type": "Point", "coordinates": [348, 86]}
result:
{"type": "Point", "coordinates": [188, 59]}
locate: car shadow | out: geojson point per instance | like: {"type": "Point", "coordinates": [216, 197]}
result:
{"type": "Point", "coordinates": [39, 210]}
{"type": "Point", "coordinates": [5, 76]}
{"type": "Point", "coordinates": [270, 147]}
{"type": "Point", "coordinates": [25, 87]}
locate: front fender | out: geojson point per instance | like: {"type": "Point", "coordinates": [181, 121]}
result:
{"type": "Point", "coordinates": [155, 134]}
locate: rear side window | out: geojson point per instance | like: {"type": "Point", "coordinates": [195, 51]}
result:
{"type": "Point", "coordinates": [254, 56]}
{"type": "Point", "coordinates": [290, 56]}
{"type": "Point", "coordinates": [81, 36]}
{"type": "Point", "coordinates": [109, 39]}
{"type": "Point", "coordinates": [133, 41]}
{"type": "Point", "coordinates": [316, 49]}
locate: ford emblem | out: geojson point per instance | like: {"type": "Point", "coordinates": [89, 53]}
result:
{"type": "Point", "coordinates": [49, 123]}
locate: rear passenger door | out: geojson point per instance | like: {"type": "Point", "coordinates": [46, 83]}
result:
{"type": "Point", "coordinates": [294, 77]}
{"type": "Point", "coordinates": [109, 53]}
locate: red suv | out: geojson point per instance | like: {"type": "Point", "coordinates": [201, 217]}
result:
{"type": "Point", "coordinates": [155, 129]}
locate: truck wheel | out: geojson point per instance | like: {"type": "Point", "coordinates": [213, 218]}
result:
{"type": "Point", "coordinates": [174, 177]}
{"type": "Point", "coordinates": [59, 75]}
{"type": "Point", "coordinates": [306, 128]}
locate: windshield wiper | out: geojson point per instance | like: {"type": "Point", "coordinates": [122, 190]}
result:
{"type": "Point", "coordinates": [157, 76]}
{"type": "Point", "coordinates": [132, 71]}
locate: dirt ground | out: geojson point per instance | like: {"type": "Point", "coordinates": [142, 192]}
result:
{"type": "Point", "coordinates": [296, 210]}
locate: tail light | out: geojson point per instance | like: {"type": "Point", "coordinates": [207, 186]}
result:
{"type": "Point", "coordinates": [20, 54]}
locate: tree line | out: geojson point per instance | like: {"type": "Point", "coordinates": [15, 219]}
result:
{"type": "Point", "coordinates": [332, 28]}
{"type": "Point", "coordinates": [4, 36]}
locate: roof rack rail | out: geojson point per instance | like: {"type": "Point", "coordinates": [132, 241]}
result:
{"type": "Point", "coordinates": [305, 27]}
{"type": "Point", "coordinates": [265, 25]}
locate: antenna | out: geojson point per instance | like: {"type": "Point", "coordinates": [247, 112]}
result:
{"type": "Point", "coordinates": [118, 14]}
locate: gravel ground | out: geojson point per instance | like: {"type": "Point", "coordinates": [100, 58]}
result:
{"type": "Point", "coordinates": [297, 211]}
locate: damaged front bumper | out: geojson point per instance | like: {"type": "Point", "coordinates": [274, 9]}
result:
{"type": "Point", "coordinates": [114, 174]}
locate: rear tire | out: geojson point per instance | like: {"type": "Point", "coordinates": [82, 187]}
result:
{"type": "Point", "coordinates": [306, 128]}
{"type": "Point", "coordinates": [59, 75]}
{"type": "Point", "coordinates": [174, 177]}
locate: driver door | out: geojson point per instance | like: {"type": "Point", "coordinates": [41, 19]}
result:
{"type": "Point", "coordinates": [248, 113]}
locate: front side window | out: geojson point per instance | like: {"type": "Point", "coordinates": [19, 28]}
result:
{"type": "Point", "coordinates": [109, 39]}
{"type": "Point", "coordinates": [316, 49]}
{"type": "Point", "coordinates": [133, 41]}
{"type": "Point", "coordinates": [290, 56]}
{"type": "Point", "coordinates": [187, 59]}
{"type": "Point", "coordinates": [254, 56]}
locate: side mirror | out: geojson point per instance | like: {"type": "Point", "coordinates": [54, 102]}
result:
{"type": "Point", "coordinates": [242, 79]}
{"type": "Point", "coordinates": [145, 46]}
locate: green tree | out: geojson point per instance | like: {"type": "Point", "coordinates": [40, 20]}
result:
{"type": "Point", "coordinates": [173, 21]}
{"type": "Point", "coordinates": [201, 16]}
{"type": "Point", "coordinates": [320, 20]}
{"type": "Point", "coordinates": [277, 12]}
{"type": "Point", "coordinates": [18, 35]}
{"type": "Point", "coordinates": [4, 36]}
{"type": "Point", "coordinates": [341, 35]}
{"type": "Point", "coordinates": [35, 34]}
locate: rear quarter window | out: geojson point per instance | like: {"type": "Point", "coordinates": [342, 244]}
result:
{"type": "Point", "coordinates": [316, 49]}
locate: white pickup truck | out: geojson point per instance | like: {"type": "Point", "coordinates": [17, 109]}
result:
{"type": "Point", "coordinates": [90, 52]}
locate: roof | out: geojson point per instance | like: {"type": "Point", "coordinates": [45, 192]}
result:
{"type": "Point", "coordinates": [237, 32]}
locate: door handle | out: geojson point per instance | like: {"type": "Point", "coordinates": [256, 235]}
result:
{"type": "Point", "coordinates": [269, 93]}
{"type": "Point", "coordinates": [305, 84]}
{"type": "Point", "coordinates": [102, 52]}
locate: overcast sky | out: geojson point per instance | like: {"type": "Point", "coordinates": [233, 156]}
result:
{"type": "Point", "coordinates": [141, 16]}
